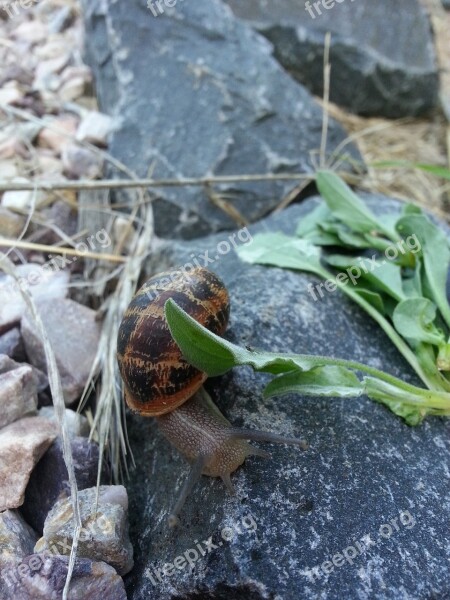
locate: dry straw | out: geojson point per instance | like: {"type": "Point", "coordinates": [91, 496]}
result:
{"type": "Point", "coordinates": [60, 409]}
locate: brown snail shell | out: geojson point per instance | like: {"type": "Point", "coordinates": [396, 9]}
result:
{"type": "Point", "coordinates": [156, 377]}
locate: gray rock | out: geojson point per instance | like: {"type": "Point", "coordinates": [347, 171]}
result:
{"type": "Point", "coordinates": [21, 446]}
{"type": "Point", "coordinates": [22, 387]}
{"type": "Point", "coordinates": [11, 224]}
{"type": "Point", "coordinates": [17, 539]}
{"type": "Point", "coordinates": [377, 66]}
{"type": "Point", "coordinates": [21, 200]}
{"type": "Point", "coordinates": [18, 394]}
{"type": "Point", "coordinates": [41, 379]}
{"type": "Point", "coordinates": [197, 92]}
{"type": "Point", "coordinates": [63, 216]}
{"type": "Point", "coordinates": [81, 162]}
{"type": "Point", "coordinates": [365, 474]}
{"type": "Point", "coordinates": [7, 364]}
{"type": "Point", "coordinates": [40, 577]}
{"type": "Point", "coordinates": [77, 424]}
{"type": "Point", "coordinates": [43, 284]}
{"type": "Point", "coordinates": [446, 4]}
{"type": "Point", "coordinates": [49, 480]}
{"type": "Point", "coordinates": [104, 535]}
{"type": "Point", "coordinates": [95, 128]}
{"type": "Point", "coordinates": [61, 19]}
{"type": "Point", "coordinates": [74, 334]}
{"type": "Point", "coordinates": [11, 344]}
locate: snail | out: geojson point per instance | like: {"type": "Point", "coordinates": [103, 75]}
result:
{"type": "Point", "coordinates": [159, 382]}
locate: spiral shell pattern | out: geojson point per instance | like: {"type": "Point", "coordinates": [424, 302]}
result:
{"type": "Point", "coordinates": [156, 377]}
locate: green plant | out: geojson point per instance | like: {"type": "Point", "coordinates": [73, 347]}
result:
{"type": "Point", "coordinates": [405, 294]}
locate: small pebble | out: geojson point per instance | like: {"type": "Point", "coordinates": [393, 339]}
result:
{"type": "Point", "coordinates": [49, 480]}
{"type": "Point", "coordinates": [43, 576]}
{"type": "Point", "coordinates": [17, 539]}
{"type": "Point", "coordinates": [74, 334]}
{"type": "Point", "coordinates": [95, 128]}
{"type": "Point", "coordinates": [105, 532]}
{"type": "Point", "coordinates": [22, 444]}
{"type": "Point", "coordinates": [18, 394]}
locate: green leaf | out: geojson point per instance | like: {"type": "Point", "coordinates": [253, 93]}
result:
{"type": "Point", "coordinates": [310, 222]}
{"type": "Point", "coordinates": [411, 209]}
{"type": "Point", "coordinates": [200, 347]}
{"type": "Point", "coordinates": [436, 257]}
{"type": "Point", "coordinates": [321, 381]}
{"type": "Point", "coordinates": [291, 253]}
{"type": "Point", "coordinates": [426, 354]}
{"type": "Point", "coordinates": [412, 286]}
{"type": "Point", "coordinates": [312, 226]}
{"type": "Point", "coordinates": [443, 359]}
{"type": "Point", "coordinates": [346, 205]}
{"type": "Point", "coordinates": [280, 250]}
{"type": "Point", "coordinates": [319, 237]}
{"type": "Point", "coordinates": [384, 276]}
{"type": "Point", "coordinates": [442, 172]}
{"type": "Point", "coordinates": [334, 233]}
{"type": "Point", "coordinates": [346, 237]}
{"type": "Point", "coordinates": [414, 319]}
{"type": "Point", "coordinates": [352, 239]}
{"type": "Point", "coordinates": [215, 355]}
{"type": "Point", "coordinates": [388, 395]}
{"type": "Point", "coordinates": [372, 298]}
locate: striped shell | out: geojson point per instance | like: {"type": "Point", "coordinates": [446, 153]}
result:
{"type": "Point", "coordinates": [157, 378]}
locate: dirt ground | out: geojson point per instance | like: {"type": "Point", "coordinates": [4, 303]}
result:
{"type": "Point", "coordinates": [410, 140]}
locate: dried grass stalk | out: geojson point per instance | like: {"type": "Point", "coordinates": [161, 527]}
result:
{"type": "Point", "coordinates": [60, 410]}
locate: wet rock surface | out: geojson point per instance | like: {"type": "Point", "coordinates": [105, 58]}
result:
{"type": "Point", "coordinates": [378, 67]}
{"type": "Point", "coordinates": [211, 100]}
{"type": "Point", "coordinates": [361, 514]}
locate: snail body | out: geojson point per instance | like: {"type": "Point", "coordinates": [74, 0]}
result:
{"type": "Point", "coordinates": [159, 382]}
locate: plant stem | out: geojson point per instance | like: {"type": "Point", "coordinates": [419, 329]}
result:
{"type": "Point", "coordinates": [436, 383]}
{"type": "Point", "coordinates": [431, 398]}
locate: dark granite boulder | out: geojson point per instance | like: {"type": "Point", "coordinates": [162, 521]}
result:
{"type": "Point", "coordinates": [196, 92]}
{"type": "Point", "coordinates": [382, 55]}
{"type": "Point", "coordinates": [362, 513]}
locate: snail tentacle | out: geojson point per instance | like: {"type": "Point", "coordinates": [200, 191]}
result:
{"type": "Point", "coordinates": [265, 436]}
